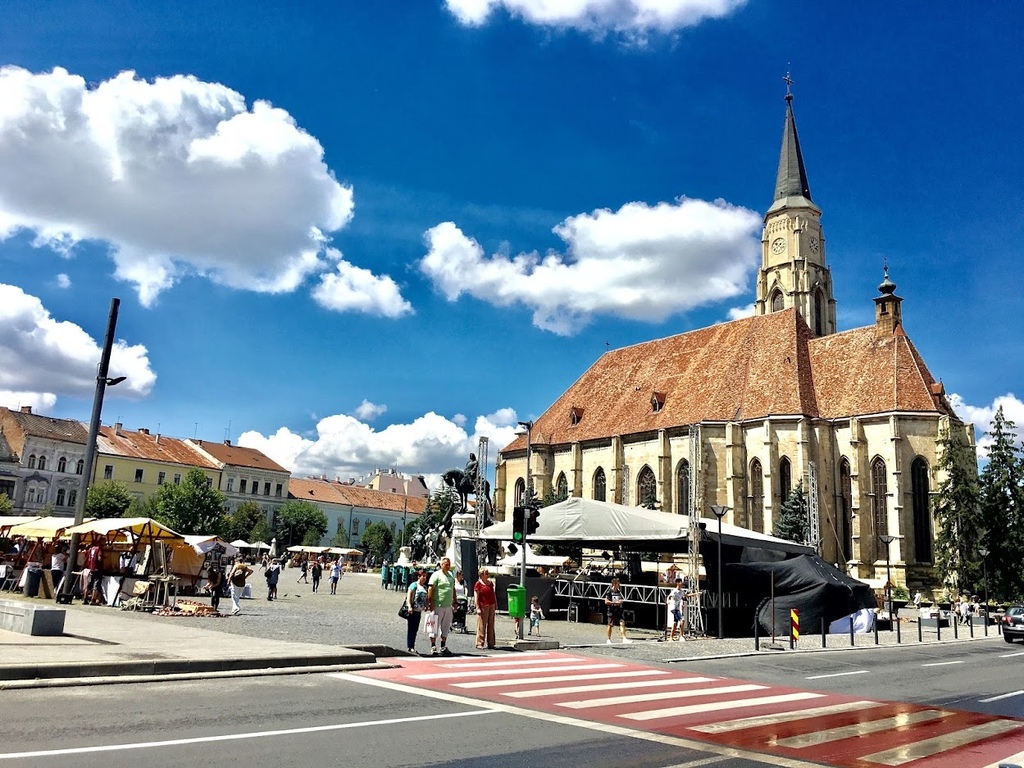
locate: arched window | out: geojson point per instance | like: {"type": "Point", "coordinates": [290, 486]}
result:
{"type": "Point", "coordinates": [600, 485]}
{"type": "Point", "coordinates": [922, 514]}
{"type": "Point", "coordinates": [62, 464]}
{"type": "Point", "coordinates": [683, 488]}
{"type": "Point", "coordinates": [72, 498]}
{"type": "Point", "coordinates": [32, 461]}
{"type": "Point", "coordinates": [60, 497]}
{"type": "Point", "coordinates": [756, 496]}
{"type": "Point", "coordinates": [844, 515]}
{"type": "Point", "coordinates": [879, 499]}
{"type": "Point", "coordinates": [562, 486]}
{"type": "Point", "coordinates": [778, 303]}
{"type": "Point", "coordinates": [520, 491]}
{"type": "Point", "coordinates": [785, 480]}
{"type": "Point", "coordinates": [355, 526]}
{"type": "Point", "coordinates": [42, 462]}
{"type": "Point", "coordinates": [647, 488]}
{"type": "Point", "coordinates": [30, 495]}
{"type": "Point", "coordinates": [79, 466]}
{"type": "Point", "coordinates": [819, 314]}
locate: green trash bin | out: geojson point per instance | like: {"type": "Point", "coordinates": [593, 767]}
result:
{"type": "Point", "coordinates": [516, 601]}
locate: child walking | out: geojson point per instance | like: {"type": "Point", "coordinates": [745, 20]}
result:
{"type": "Point", "coordinates": [536, 614]}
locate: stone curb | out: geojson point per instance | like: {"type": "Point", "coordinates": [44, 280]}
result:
{"type": "Point", "coordinates": [156, 667]}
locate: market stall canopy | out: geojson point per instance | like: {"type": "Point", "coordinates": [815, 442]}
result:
{"type": "Point", "coordinates": [44, 527]}
{"type": "Point", "coordinates": [603, 524]}
{"type": "Point", "coordinates": [203, 544]}
{"type": "Point", "coordinates": [309, 550]}
{"type": "Point", "coordinates": [348, 552]}
{"type": "Point", "coordinates": [260, 545]}
{"type": "Point", "coordinates": [7, 521]}
{"type": "Point", "coordinates": [135, 528]}
{"type": "Point", "coordinates": [240, 544]}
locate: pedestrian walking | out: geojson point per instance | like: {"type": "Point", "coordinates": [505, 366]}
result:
{"type": "Point", "coordinates": [94, 566]}
{"type": "Point", "coordinates": [536, 614]}
{"type": "Point", "coordinates": [239, 573]}
{"type": "Point", "coordinates": [273, 575]}
{"type": "Point", "coordinates": [335, 576]}
{"type": "Point", "coordinates": [440, 594]}
{"type": "Point", "coordinates": [613, 600]}
{"type": "Point", "coordinates": [676, 603]}
{"type": "Point", "coordinates": [304, 571]}
{"type": "Point", "coordinates": [486, 606]}
{"type": "Point", "coordinates": [215, 581]}
{"type": "Point", "coordinates": [917, 600]}
{"type": "Point", "coordinates": [416, 600]}
{"type": "Point", "coordinates": [316, 572]}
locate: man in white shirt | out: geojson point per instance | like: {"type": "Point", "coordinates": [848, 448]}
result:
{"type": "Point", "coordinates": [677, 606]}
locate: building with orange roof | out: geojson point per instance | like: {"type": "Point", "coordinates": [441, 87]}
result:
{"type": "Point", "coordinates": [739, 413]}
{"type": "Point", "coordinates": [350, 508]}
{"type": "Point", "coordinates": [144, 461]}
{"type": "Point", "coordinates": [246, 474]}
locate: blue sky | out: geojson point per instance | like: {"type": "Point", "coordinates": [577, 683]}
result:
{"type": "Point", "coordinates": [360, 235]}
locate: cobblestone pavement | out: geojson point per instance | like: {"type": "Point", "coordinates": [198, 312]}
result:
{"type": "Point", "coordinates": [364, 614]}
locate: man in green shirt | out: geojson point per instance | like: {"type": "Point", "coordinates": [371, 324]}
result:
{"type": "Point", "coordinates": [440, 592]}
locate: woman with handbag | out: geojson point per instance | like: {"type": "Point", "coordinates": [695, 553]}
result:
{"type": "Point", "coordinates": [415, 605]}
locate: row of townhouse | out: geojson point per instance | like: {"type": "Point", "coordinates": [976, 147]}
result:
{"type": "Point", "coordinates": [42, 463]}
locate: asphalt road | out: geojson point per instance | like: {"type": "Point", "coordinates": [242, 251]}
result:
{"type": "Point", "coordinates": [978, 677]}
{"type": "Point", "coordinates": [307, 720]}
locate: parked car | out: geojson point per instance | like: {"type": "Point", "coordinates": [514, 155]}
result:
{"type": "Point", "coordinates": [1013, 624]}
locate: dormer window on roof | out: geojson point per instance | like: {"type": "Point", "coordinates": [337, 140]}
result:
{"type": "Point", "coordinates": [657, 401]}
{"type": "Point", "coordinates": [575, 414]}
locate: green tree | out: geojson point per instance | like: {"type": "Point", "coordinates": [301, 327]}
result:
{"type": "Point", "coordinates": [6, 505]}
{"type": "Point", "coordinates": [377, 538]}
{"type": "Point", "coordinates": [244, 520]}
{"type": "Point", "coordinates": [300, 522]}
{"type": "Point", "coordinates": [193, 507]}
{"type": "Point", "coordinates": [1001, 492]}
{"type": "Point", "coordinates": [260, 532]}
{"type": "Point", "coordinates": [792, 522]}
{"type": "Point", "coordinates": [340, 539]}
{"type": "Point", "coordinates": [110, 498]}
{"type": "Point", "coordinates": [956, 510]}
{"type": "Point", "coordinates": [553, 497]}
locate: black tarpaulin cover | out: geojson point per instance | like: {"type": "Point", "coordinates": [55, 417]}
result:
{"type": "Point", "coordinates": [809, 584]}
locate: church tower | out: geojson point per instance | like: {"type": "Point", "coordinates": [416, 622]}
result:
{"type": "Point", "coordinates": [793, 270]}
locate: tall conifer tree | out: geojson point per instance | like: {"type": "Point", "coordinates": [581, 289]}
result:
{"type": "Point", "coordinates": [957, 511]}
{"type": "Point", "coordinates": [792, 522]}
{"type": "Point", "coordinates": [1002, 517]}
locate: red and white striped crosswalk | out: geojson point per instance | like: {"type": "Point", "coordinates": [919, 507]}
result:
{"type": "Point", "coordinates": [821, 727]}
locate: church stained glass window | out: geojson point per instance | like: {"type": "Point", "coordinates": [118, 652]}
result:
{"type": "Point", "coordinates": [879, 499]}
{"type": "Point", "coordinates": [683, 487]}
{"type": "Point", "coordinates": [600, 485]}
{"type": "Point", "coordinates": [919, 493]}
{"type": "Point", "coordinates": [647, 488]}
{"type": "Point", "coordinates": [756, 496]}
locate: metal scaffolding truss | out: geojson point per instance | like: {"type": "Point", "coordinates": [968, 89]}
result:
{"type": "Point", "coordinates": [813, 519]}
{"type": "Point", "coordinates": [596, 590]}
{"type": "Point", "coordinates": [694, 614]}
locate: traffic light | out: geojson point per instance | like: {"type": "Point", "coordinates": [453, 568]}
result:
{"type": "Point", "coordinates": [519, 524]}
{"type": "Point", "coordinates": [532, 521]}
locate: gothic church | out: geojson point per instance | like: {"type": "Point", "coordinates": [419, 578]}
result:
{"type": "Point", "coordinates": [738, 413]}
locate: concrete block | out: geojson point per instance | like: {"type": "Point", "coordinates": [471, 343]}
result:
{"type": "Point", "coordinates": [30, 619]}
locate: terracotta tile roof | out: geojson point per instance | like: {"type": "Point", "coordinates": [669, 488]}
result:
{"type": "Point", "coordinates": [35, 425]}
{"type": "Point", "coordinates": [238, 456]}
{"type": "Point", "coordinates": [752, 368]}
{"type": "Point", "coordinates": [313, 489]}
{"type": "Point", "coordinates": [143, 445]}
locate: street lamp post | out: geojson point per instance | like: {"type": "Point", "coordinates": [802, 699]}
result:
{"type": "Point", "coordinates": [887, 540]}
{"type": "Point", "coordinates": [984, 576]}
{"type": "Point", "coordinates": [102, 382]}
{"type": "Point", "coordinates": [720, 511]}
{"type": "Point", "coordinates": [528, 427]}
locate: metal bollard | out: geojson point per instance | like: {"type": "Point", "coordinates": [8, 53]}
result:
{"type": "Point", "coordinates": [920, 637]}
{"type": "Point", "coordinates": [851, 630]}
{"type": "Point", "coordinates": [898, 638]}
{"type": "Point", "coordinates": [757, 635]}
{"type": "Point", "coordinates": [970, 622]}
{"type": "Point", "coordinates": [956, 629]}
{"type": "Point", "coordinates": [823, 642]}
{"type": "Point", "coordinates": [876, 629]}
{"type": "Point", "coordinates": [938, 626]}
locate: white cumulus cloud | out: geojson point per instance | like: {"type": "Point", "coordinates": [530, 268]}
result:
{"type": "Point", "coordinates": [367, 411]}
{"type": "Point", "coordinates": [344, 446]}
{"type": "Point", "coordinates": [354, 288]}
{"type": "Point", "coordinates": [178, 177]}
{"type": "Point", "coordinates": [640, 262]}
{"type": "Point", "coordinates": [631, 17]}
{"type": "Point", "coordinates": [981, 417]}
{"type": "Point", "coordinates": [41, 357]}
{"type": "Point", "coordinates": [63, 281]}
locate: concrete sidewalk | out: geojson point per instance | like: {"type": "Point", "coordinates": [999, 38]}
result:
{"type": "Point", "coordinates": [99, 642]}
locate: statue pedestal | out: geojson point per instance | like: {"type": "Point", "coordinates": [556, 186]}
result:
{"type": "Point", "coordinates": [463, 527]}
{"type": "Point", "coordinates": [404, 557]}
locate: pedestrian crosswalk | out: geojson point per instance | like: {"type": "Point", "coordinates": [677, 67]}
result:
{"type": "Point", "coordinates": [820, 727]}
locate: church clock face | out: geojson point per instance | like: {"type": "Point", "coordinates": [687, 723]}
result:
{"type": "Point", "coordinates": [814, 245]}
{"type": "Point", "coordinates": [778, 245]}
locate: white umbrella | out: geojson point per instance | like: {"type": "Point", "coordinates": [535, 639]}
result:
{"type": "Point", "coordinates": [241, 544]}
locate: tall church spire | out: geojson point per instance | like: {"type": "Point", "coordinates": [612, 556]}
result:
{"type": "Point", "coordinates": [793, 269]}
